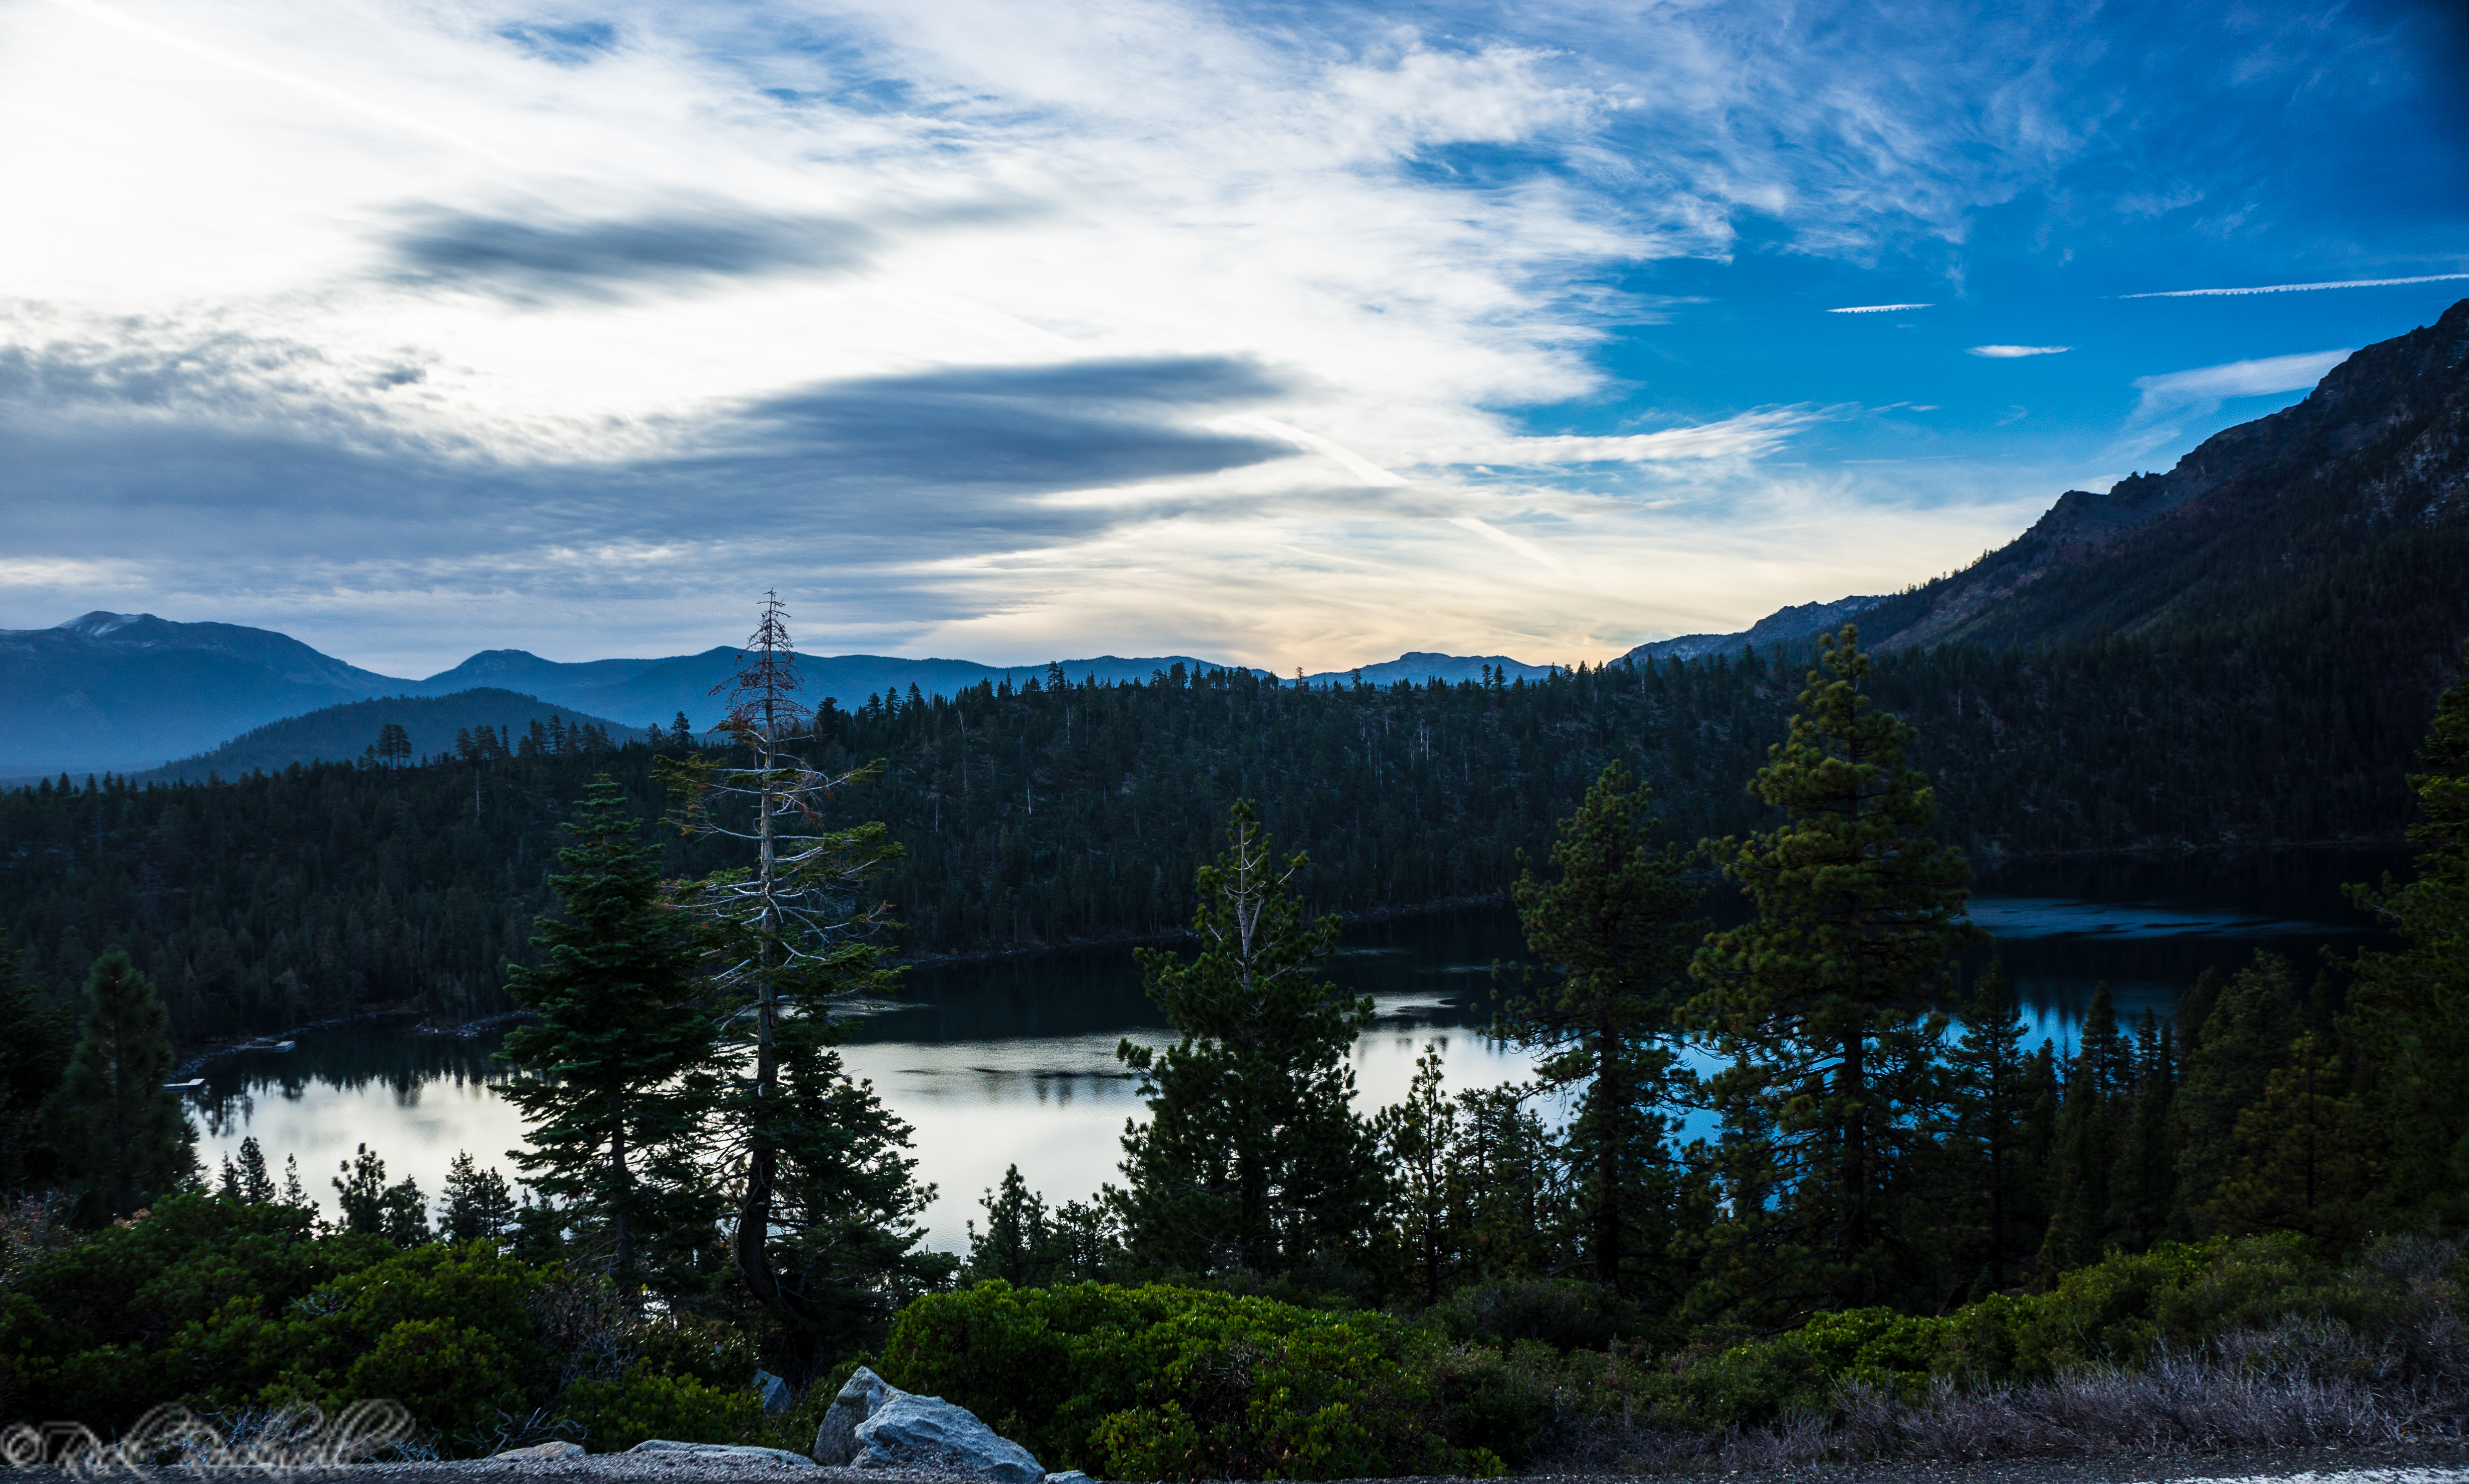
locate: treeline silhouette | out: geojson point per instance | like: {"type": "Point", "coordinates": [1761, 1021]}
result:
{"type": "Point", "coordinates": [1068, 811]}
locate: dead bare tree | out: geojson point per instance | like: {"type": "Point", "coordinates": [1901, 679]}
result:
{"type": "Point", "coordinates": [789, 937]}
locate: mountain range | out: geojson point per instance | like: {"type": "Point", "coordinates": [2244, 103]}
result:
{"type": "Point", "coordinates": [132, 692]}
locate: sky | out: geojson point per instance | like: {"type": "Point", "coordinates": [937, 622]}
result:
{"type": "Point", "coordinates": [1282, 333]}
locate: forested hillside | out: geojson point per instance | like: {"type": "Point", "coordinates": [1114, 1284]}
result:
{"type": "Point", "coordinates": [1069, 811]}
{"type": "Point", "coordinates": [428, 726]}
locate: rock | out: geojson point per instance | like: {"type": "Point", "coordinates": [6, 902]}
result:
{"type": "Point", "coordinates": [775, 1390]}
{"type": "Point", "coordinates": [555, 1449]}
{"type": "Point", "coordinates": [1070, 1476]}
{"type": "Point", "coordinates": [836, 1443]}
{"type": "Point", "coordinates": [928, 1432]}
{"type": "Point", "coordinates": [722, 1452]}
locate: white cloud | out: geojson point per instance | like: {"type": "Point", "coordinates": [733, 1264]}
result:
{"type": "Point", "coordinates": [1877, 308]}
{"type": "Point", "coordinates": [1746, 436]}
{"type": "Point", "coordinates": [2204, 387]}
{"type": "Point", "coordinates": [2012, 351]}
{"type": "Point", "coordinates": [387, 323]}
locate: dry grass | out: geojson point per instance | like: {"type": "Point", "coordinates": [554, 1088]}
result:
{"type": "Point", "coordinates": [2299, 1383]}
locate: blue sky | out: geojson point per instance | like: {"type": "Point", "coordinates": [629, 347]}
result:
{"type": "Point", "coordinates": [1292, 335]}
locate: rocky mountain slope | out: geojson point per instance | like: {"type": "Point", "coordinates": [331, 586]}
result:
{"type": "Point", "coordinates": [2350, 508]}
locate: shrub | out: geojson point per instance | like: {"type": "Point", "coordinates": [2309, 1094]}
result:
{"type": "Point", "coordinates": [458, 1382]}
{"type": "Point", "coordinates": [1164, 1383]}
{"type": "Point", "coordinates": [613, 1416]}
{"type": "Point", "coordinates": [1560, 1311]}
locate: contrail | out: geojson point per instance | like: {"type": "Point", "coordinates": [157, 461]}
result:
{"type": "Point", "coordinates": [2346, 282]}
{"type": "Point", "coordinates": [1876, 309]}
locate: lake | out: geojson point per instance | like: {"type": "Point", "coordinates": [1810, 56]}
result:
{"type": "Point", "coordinates": [1012, 1061]}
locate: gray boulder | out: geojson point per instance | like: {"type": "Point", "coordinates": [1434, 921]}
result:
{"type": "Point", "coordinates": [774, 1391]}
{"type": "Point", "coordinates": [928, 1432]}
{"type": "Point", "coordinates": [836, 1443]}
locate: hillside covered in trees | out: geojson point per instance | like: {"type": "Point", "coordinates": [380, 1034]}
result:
{"type": "Point", "coordinates": [1066, 811]}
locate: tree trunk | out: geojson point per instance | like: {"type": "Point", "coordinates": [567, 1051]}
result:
{"type": "Point", "coordinates": [754, 1248]}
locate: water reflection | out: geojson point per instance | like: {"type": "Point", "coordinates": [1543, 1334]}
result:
{"type": "Point", "coordinates": [1014, 1060]}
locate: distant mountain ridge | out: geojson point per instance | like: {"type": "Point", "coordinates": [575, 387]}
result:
{"type": "Point", "coordinates": [138, 694]}
{"type": "Point", "coordinates": [122, 692]}
{"type": "Point", "coordinates": [1783, 626]}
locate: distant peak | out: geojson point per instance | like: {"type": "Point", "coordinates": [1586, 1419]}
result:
{"type": "Point", "coordinates": [101, 622]}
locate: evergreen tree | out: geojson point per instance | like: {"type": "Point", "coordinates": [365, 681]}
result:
{"type": "Point", "coordinates": [617, 1064]}
{"type": "Point", "coordinates": [2304, 1163]}
{"type": "Point", "coordinates": [479, 1205]}
{"type": "Point", "coordinates": [247, 1182]}
{"type": "Point", "coordinates": [1813, 1003]}
{"type": "Point", "coordinates": [1253, 1159]}
{"type": "Point", "coordinates": [1512, 1187]}
{"type": "Point", "coordinates": [124, 1140]}
{"type": "Point", "coordinates": [2088, 1139]}
{"type": "Point", "coordinates": [2245, 1036]}
{"type": "Point", "coordinates": [1030, 1246]}
{"type": "Point", "coordinates": [34, 1043]}
{"type": "Point", "coordinates": [1990, 1077]}
{"type": "Point", "coordinates": [2192, 1008]}
{"type": "Point", "coordinates": [847, 1245]}
{"type": "Point", "coordinates": [2143, 1189]}
{"type": "Point", "coordinates": [2409, 1011]}
{"type": "Point", "coordinates": [398, 1213]}
{"type": "Point", "coordinates": [1419, 1144]}
{"type": "Point", "coordinates": [1615, 937]}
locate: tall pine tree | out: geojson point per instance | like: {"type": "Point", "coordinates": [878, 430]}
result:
{"type": "Point", "coordinates": [1991, 1097]}
{"type": "Point", "coordinates": [1253, 1158]}
{"type": "Point", "coordinates": [1815, 1001]}
{"type": "Point", "coordinates": [125, 1143]}
{"type": "Point", "coordinates": [2087, 1140]}
{"type": "Point", "coordinates": [2409, 1011]}
{"type": "Point", "coordinates": [35, 1041]}
{"type": "Point", "coordinates": [617, 1064]}
{"type": "Point", "coordinates": [1615, 935]}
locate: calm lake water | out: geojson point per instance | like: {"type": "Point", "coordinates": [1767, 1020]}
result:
{"type": "Point", "coordinates": [1012, 1061]}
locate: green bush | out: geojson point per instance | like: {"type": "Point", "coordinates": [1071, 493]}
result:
{"type": "Point", "coordinates": [217, 1304]}
{"type": "Point", "coordinates": [613, 1416]}
{"type": "Point", "coordinates": [457, 1380]}
{"type": "Point", "coordinates": [1162, 1382]}
{"type": "Point", "coordinates": [1561, 1313]}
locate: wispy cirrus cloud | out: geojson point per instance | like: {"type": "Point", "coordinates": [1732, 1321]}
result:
{"type": "Point", "coordinates": [2015, 352]}
{"type": "Point", "coordinates": [1747, 436]}
{"type": "Point", "coordinates": [2206, 387]}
